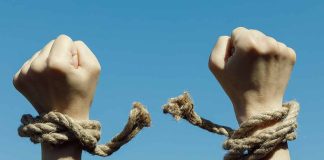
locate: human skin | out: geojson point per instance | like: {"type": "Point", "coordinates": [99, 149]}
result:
{"type": "Point", "coordinates": [254, 70]}
{"type": "Point", "coordinates": [60, 77]}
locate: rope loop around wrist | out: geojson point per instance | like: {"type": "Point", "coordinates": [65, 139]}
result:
{"type": "Point", "coordinates": [56, 128]}
{"type": "Point", "coordinates": [243, 143]}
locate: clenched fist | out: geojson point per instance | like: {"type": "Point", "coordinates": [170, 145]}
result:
{"type": "Point", "coordinates": [61, 77]}
{"type": "Point", "coordinates": [253, 69]}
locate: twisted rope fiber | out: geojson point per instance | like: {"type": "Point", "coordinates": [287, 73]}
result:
{"type": "Point", "coordinates": [56, 128]}
{"type": "Point", "coordinates": [242, 143]}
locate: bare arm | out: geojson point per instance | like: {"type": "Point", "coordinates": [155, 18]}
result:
{"type": "Point", "coordinates": [61, 77]}
{"type": "Point", "coordinates": [254, 70]}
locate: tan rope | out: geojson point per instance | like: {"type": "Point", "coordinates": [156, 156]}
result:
{"type": "Point", "coordinates": [56, 128]}
{"type": "Point", "coordinates": [241, 144]}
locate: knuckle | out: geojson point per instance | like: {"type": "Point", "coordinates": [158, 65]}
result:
{"type": "Point", "coordinates": [238, 30]}
{"type": "Point", "coordinates": [271, 45]}
{"type": "Point", "coordinates": [220, 38]}
{"type": "Point", "coordinates": [290, 50]}
{"type": "Point", "coordinates": [283, 50]}
{"type": "Point", "coordinates": [212, 65]}
{"type": "Point", "coordinates": [79, 42]}
{"type": "Point", "coordinates": [282, 46]}
{"type": "Point", "coordinates": [264, 51]}
{"type": "Point", "coordinates": [213, 62]}
{"type": "Point", "coordinates": [248, 44]}
{"type": "Point", "coordinates": [19, 81]}
{"type": "Point", "coordinates": [36, 67]}
{"type": "Point", "coordinates": [24, 70]}
{"type": "Point", "coordinates": [25, 67]}
{"type": "Point", "coordinates": [15, 81]}
{"type": "Point", "coordinates": [95, 68]}
{"type": "Point", "coordinates": [55, 65]}
{"type": "Point", "coordinates": [63, 37]}
{"type": "Point", "coordinates": [271, 41]}
{"type": "Point", "coordinates": [257, 32]}
{"type": "Point", "coordinates": [264, 47]}
{"type": "Point", "coordinates": [292, 55]}
{"type": "Point", "coordinates": [80, 45]}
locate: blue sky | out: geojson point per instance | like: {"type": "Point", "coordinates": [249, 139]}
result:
{"type": "Point", "coordinates": [152, 50]}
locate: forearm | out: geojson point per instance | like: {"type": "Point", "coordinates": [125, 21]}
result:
{"type": "Point", "coordinates": [70, 151]}
{"type": "Point", "coordinates": [281, 152]}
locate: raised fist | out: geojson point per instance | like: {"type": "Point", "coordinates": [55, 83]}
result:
{"type": "Point", "coordinates": [253, 69]}
{"type": "Point", "coordinates": [61, 77]}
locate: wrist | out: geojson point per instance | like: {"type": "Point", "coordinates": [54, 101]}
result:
{"type": "Point", "coordinates": [249, 108]}
{"type": "Point", "coordinates": [245, 111]}
{"type": "Point", "coordinates": [76, 111]}
{"type": "Point", "coordinates": [76, 114]}
{"type": "Point", "coordinates": [71, 150]}
{"type": "Point", "coordinates": [68, 151]}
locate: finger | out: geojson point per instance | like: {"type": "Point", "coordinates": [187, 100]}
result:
{"type": "Point", "coordinates": [46, 50]}
{"type": "Point", "coordinates": [17, 76]}
{"type": "Point", "coordinates": [22, 72]}
{"type": "Point", "coordinates": [86, 58]}
{"type": "Point", "coordinates": [220, 53]}
{"type": "Point", "coordinates": [292, 54]}
{"type": "Point", "coordinates": [284, 50]}
{"type": "Point", "coordinates": [61, 52]}
{"type": "Point", "coordinates": [15, 80]}
{"type": "Point", "coordinates": [237, 31]}
{"type": "Point", "coordinates": [39, 63]}
{"type": "Point", "coordinates": [26, 66]}
{"type": "Point", "coordinates": [271, 40]}
{"type": "Point", "coordinates": [257, 33]}
{"type": "Point", "coordinates": [282, 47]}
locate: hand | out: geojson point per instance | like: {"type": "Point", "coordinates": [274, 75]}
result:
{"type": "Point", "coordinates": [61, 77]}
{"type": "Point", "coordinates": [253, 69]}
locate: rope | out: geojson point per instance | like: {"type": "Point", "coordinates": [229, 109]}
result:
{"type": "Point", "coordinates": [56, 128]}
{"type": "Point", "coordinates": [241, 144]}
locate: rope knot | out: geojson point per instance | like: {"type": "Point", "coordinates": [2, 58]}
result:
{"type": "Point", "coordinates": [180, 107]}
{"type": "Point", "coordinates": [56, 128]}
{"type": "Point", "coordinates": [141, 115]}
{"type": "Point", "coordinates": [243, 143]}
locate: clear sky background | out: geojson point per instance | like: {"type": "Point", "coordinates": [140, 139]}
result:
{"type": "Point", "coordinates": [152, 50]}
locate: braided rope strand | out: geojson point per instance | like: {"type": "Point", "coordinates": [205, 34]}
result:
{"type": "Point", "coordinates": [138, 119]}
{"type": "Point", "coordinates": [56, 128]}
{"type": "Point", "coordinates": [241, 144]}
{"type": "Point", "coordinates": [182, 107]}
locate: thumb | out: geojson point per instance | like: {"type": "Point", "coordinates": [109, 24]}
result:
{"type": "Point", "coordinates": [220, 54]}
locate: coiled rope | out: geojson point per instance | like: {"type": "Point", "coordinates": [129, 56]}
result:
{"type": "Point", "coordinates": [241, 144]}
{"type": "Point", "coordinates": [56, 128]}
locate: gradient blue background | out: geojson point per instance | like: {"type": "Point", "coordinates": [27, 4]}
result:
{"type": "Point", "coordinates": [153, 50]}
